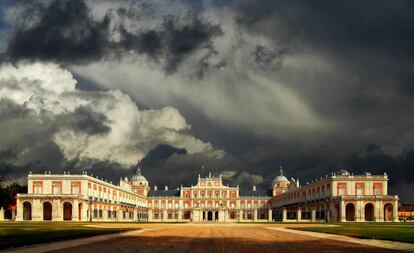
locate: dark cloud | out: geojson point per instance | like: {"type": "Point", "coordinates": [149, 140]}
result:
{"type": "Point", "coordinates": [61, 31]}
{"type": "Point", "coordinates": [65, 32]}
{"type": "Point", "coordinates": [161, 152]}
{"type": "Point", "coordinates": [350, 64]}
{"type": "Point", "coordinates": [267, 58]}
{"type": "Point", "coordinates": [172, 41]}
{"type": "Point", "coordinates": [84, 119]}
{"type": "Point", "coordinates": [10, 110]}
{"type": "Point", "coordinates": [309, 163]}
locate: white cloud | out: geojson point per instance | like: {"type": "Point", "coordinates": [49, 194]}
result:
{"type": "Point", "coordinates": [49, 90]}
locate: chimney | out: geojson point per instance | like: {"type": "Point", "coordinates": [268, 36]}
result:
{"type": "Point", "coordinates": [254, 188]}
{"type": "Point", "coordinates": [166, 188]}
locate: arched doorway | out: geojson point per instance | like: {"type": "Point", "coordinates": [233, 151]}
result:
{"type": "Point", "coordinates": [216, 216]}
{"type": "Point", "coordinates": [388, 212]}
{"type": "Point", "coordinates": [350, 212]}
{"type": "Point", "coordinates": [27, 211]}
{"type": "Point", "coordinates": [210, 215]}
{"type": "Point", "coordinates": [67, 211]}
{"type": "Point", "coordinates": [47, 211]}
{"type": "Point", "coordinates": [369, 212]}
{"type": "Point", "coordinates": [80, 211]}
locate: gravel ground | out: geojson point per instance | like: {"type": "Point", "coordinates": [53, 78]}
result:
{"type": "Point", "coordinates": [219, 238]}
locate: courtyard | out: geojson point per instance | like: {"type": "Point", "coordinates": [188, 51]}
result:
{"type": "Point", "coordinates": [198, 237]}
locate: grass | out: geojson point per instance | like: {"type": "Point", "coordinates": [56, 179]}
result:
{"type": "Point", "coordinates": [401, 232]}
{"type": "Point", "coordinates": [18, 234]}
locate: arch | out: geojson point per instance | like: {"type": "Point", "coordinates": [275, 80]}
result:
{"type": "Point", "coordinates": [27, 211]}
{"type": "Point", "coordinates": [369, 212]}
{"type": "Point", "coordinates": [388, 212]}
{"type": "Point", "coordinates": [67, 211]}
{"type": "Point", "coordinates": [47, 210]}
{"type": "Point", "coordinates": [80, 211]}
{"type": "Point", "coordinates": [210, 216]}
{"type": "Point", "coordinates": [350, 212]}
{"type": "Point", "coordinates": [216, 216]}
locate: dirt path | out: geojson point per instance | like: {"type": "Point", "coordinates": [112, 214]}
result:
{"type": "Point", "coordinates": [220, 238]}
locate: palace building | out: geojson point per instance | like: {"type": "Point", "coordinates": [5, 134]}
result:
{"type": "Point", "coordinates": [339, 197]}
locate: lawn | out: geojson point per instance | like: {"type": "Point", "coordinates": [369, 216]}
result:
{"type": "Point", "coordinates": [402, 232]}
{"type": "Point", "coordinates": [17, 234]}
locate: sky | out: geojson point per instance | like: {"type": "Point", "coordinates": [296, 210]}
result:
{"type": "Point", "coordinates": [239, 87]}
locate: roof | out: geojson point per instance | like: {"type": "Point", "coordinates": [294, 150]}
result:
{"type": "Point", "coordinates": [256, 193]}
{"type": "Point", "coordinates": [138, 175]}
{"type": "Point", "coordinates": [280, 178]}
{"type": "Point", "coordinates": [168, 193]}
{"type": "Point", "coordinates": [342, 172]}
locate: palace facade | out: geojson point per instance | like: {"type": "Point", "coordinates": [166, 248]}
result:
{"type": "Point", "coordinates": [339, 197]}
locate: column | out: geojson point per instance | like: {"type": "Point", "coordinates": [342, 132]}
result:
{"type": "Point", "coordinates": [240, 215]}
{"type": "Point", "coordinates": [84, 211]}
{"type": "Point", "coordinates": [164, 215]}
{"type": "Point", "coordinates": [180, 214]}
{"type": "Point", "coordinates": [395, 211]}
{"type": "Point", "coordinates": [377, 211]}
{"type": "Point", "coordinates": [299, 215]}
{"type": "Point", "coordinates": [342, 211]}
{"type": "Point", "coordinates": [19, 206]}
{"type": "Point", "coordinates": [75, 210]}
{"type": "Point", "coordinates": [149, 214]}
{"type": "Point", "coordinates": [363, 211]}
{"type": "Point", "coordinates": [254, 215]}
{"type": "Point", "coordinates": [269, 215]}
{"type": "Point", "coordinates": [135, 215]}
{"type": "Point", "coordinates": [37, 210]}
{"type": "Point", "coordinates": [381, 211]}
{"type": "Point", "coordinates": [119, 215]}
{"type": "Point", "coordinates": [313, 215]}
{"type": "Point", "coordinates": [1, 214]}
{"type": "Point", "coordinates": [57, 211]}
{"type": "Point", "coordinates": [284, 215]}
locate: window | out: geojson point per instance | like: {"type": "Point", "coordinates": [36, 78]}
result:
{"type": "Point", "coordinates": [341, 189]}
{"type": "Point", "coordinates": [75, 188]}
{"type": "Point", "coordinates": [359, 189]}
{"type": "Point", "coordinates": [37, 188]}
{"type": "Point", "coordinates": [377, 189]}
{"type": "Point", "coordinates": [56, 188]}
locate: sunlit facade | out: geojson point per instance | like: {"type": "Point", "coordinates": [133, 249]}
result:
{"type": "Point", "coordinates": [340, 197]}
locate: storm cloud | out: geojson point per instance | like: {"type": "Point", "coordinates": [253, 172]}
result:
{"type": "Point", "coordinates": [241, 87]}
{"type": "Point", "coordinates": [67, 32]}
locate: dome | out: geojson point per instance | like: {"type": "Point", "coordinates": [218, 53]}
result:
{"type": "Point", "coordinates": [342, 172]}
{"type": "Point", "coordinates": [280, 178]}
{"type": "Point", "coordinates": [138, 175]}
